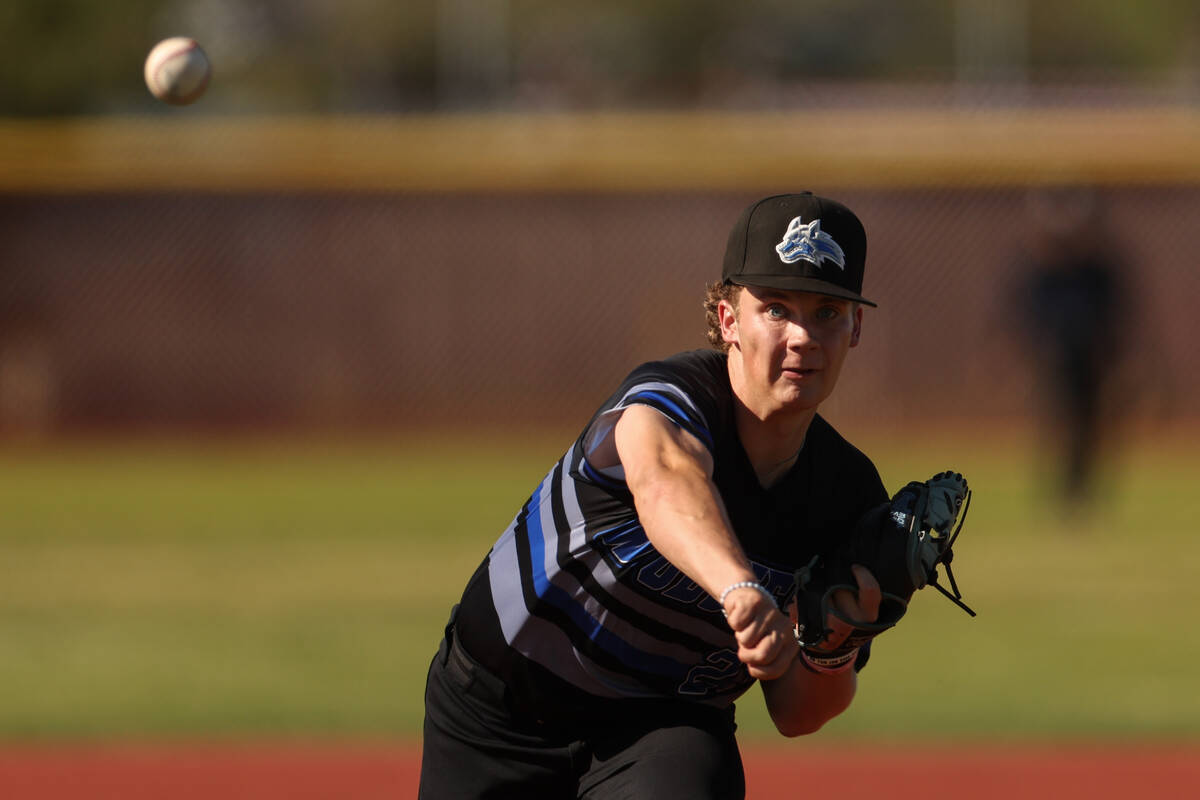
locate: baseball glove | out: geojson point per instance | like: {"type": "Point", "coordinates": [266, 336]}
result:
{"type": "Point", "coordinates": [902, 543]}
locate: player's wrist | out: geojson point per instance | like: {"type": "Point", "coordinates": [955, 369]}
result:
{"type": "Point", "coordinates": [752, 585]}
{"type": "Point", "coordinates": [825, 664]}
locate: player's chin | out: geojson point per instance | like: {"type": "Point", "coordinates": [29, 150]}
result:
{"type": "Point", "coordinates": [802, 396]}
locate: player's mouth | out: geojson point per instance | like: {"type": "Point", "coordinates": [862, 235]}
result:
{"type": "Point", "coordinates": [800, 372]}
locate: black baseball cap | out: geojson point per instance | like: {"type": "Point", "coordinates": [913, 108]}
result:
{"type": "Point", "coordinates": [800, 242]}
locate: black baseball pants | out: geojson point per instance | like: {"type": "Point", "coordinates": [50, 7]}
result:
{"type": "Point", "coordinates": [476, 745]}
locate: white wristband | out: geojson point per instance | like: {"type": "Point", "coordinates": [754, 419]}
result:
{"type": "Point", "coordinates": [829, 666]}
{"type": "Point", "coordinates": [745, 585]}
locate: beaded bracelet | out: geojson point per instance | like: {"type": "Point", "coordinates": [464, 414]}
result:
{"type": "Point", "coordinates": [745, 585]}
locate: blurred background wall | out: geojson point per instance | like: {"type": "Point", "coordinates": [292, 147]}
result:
{"type": "Point", "coordinates": [391, 214]}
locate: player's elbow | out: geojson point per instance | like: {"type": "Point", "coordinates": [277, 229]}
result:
{"type": "Point", "coordinates": [794, 729]}
{"type": "Point", "coordinates": [804, 724]}
{"type": "Point", "coordinates": [809, 717]}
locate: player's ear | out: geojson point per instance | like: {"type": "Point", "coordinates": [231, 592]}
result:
{"type": "Point", "coordinates": [727, 316]}
{"type": "Point", "coordinates": [856, 334]}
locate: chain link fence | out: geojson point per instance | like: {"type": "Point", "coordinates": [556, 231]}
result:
{"type": "Point", "coordinates": [346, 310]}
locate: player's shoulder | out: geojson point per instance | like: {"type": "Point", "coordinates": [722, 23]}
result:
{"type": "Point", "coordinates": [822, 432]}
{"type": "Point", "coordinates": [691, 388]}
{"type": "Point", "coordinates": [698, 374]}
{"type": "Point", "coordinates": [822, 435]}
{"type": "Point", "coordinates": [701, 365]}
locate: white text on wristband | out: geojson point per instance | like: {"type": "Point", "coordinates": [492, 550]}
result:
{"type": "Point", "coordinates": [829, 665]}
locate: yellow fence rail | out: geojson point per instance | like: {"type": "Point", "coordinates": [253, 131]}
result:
{"type": "Point", "coordinates": [874, 148]}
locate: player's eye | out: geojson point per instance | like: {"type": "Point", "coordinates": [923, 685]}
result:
{"type": "Point", "coordinates": [832, 310]}
{"type": "Point", "coordinates": [828, 313]}
{"type": "Point", "coordinates": [776, 311]}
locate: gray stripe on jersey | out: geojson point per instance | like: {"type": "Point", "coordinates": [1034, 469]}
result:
{"type": "Point", "coordinates": [527, 634]}
{"type": "Point", "coordinates": [536, 638]}
{"type": "Point", "coordinates": [544, 642]}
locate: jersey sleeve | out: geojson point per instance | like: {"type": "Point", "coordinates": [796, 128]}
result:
{"type": "Point", "coordinates": [683, 389]}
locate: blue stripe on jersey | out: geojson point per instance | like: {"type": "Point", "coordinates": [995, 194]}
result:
{"type": "Point", "coordinates": [626, 541]}
{"type": "Point", "coordinates": [694, 425]}
{"type": "Point", "coordinates": [585, 622]}
{"type": "Point", "coordinates": [591, 474]}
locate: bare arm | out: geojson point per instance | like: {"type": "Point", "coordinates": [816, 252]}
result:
{"type": "Point", "coordinates": [669, 473]}
{"type": "Point", "coordinates": [801, 701]}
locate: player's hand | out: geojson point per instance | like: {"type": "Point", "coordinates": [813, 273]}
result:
{"type": "Point", "coordinates": [860, 606]}
{"type": "Point", "coordinates": [766, 644]}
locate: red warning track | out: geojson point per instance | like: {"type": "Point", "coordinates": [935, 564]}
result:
{"type": "Point", "coordinates": [979, 772]}
{"type": "Point", "coordinates": [365, 772]}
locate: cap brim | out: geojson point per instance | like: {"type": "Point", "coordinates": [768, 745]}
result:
{"type": "Point", "coordinates": [800, 283]}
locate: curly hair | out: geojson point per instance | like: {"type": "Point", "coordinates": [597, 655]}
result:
{"type": "Point", "coordinates": [715, 293]}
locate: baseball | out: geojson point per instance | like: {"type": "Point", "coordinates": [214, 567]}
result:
{"type": "Point", "coordinates": [177, 71]}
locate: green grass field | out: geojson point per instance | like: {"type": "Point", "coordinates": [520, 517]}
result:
{"type": "Point", "coordinates": [237, 590]}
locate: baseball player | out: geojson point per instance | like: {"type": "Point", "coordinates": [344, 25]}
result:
{"type": "Point", "coordinates": [647, 581]}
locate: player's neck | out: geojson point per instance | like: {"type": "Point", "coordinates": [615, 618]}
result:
{"type": "Point", "coordinates": [772, 443]}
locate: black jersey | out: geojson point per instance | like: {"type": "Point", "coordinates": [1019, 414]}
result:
{"type": "Point", "coordinates": [577, 589]}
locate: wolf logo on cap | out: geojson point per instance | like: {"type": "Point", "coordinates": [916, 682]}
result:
{"type": "Point", "coordinates": [808, 242]}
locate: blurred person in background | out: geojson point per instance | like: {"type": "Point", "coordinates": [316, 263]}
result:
{"type": "Point", "coordinates": [646, 584]}
{"type": "Point", "coordinates": [1075, 309]}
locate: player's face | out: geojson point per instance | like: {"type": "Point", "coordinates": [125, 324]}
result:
{"type": "Point", "coordinates": [788, 347]}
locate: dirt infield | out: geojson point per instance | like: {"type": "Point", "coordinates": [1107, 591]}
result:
{"type": "Point", "coordinates": [365, 772]}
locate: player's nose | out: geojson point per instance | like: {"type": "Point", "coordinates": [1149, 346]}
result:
{"type": "Point", "coordinates": [799, 336]}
